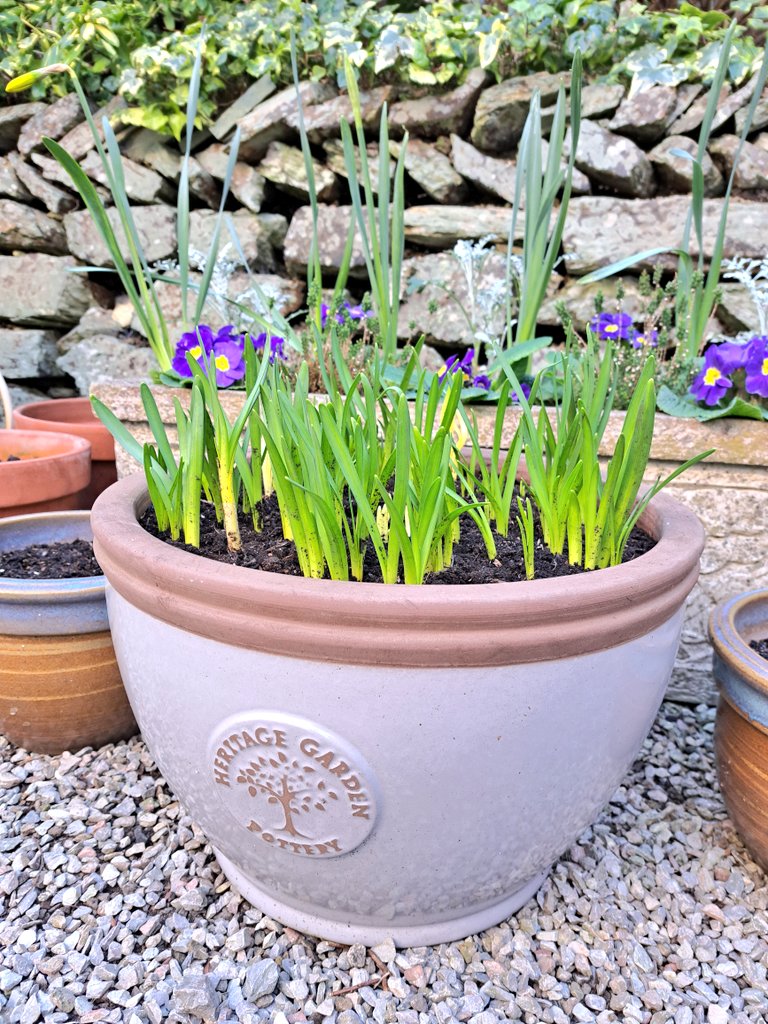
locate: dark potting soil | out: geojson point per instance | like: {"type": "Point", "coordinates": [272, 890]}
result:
{"type": "Point", "coordinates": [761, 646]}
{"type": "Point", "coordinates": [62, 560]}
{"type": "Point", "coordinates": [269, 551]}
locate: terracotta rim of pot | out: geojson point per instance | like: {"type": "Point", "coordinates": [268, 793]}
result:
{"type": "Point", "coordinates": [68, 416]}
{"type": "Point", "coordinates": [374, 624]}
{"type": "Point", "coordinates": [61, 465]}
{"type": "Point", "coordinates": [739, 669]}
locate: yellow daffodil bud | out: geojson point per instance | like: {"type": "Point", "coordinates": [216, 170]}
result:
{"type": "Point", "coordinates": [28, 79]}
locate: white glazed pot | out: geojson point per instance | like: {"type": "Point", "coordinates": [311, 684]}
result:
{"type": "Point", "coordinates": [370, 760]}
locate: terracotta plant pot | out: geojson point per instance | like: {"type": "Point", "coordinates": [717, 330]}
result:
{"type": "Point", "coordinates": [373, 760]}
{"type": "Point", "coordinates": [75, 416]}
{"type": "Point", "coordinates": [60, 687]}
{"type": "Point", "coordinates": [52, 472]}
{"type": "Point", "coordinates": [741, 729]}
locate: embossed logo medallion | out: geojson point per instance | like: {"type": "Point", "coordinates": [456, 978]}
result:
{"type": "Point", "coordinates": [294, 785]}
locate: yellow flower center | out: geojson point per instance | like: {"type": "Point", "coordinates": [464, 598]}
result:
{"type": "Point", "coordinates": [712, 376]}
{"type": "Point", "coordinates": [196, 352]}
{"type": "Point", "coordinates": [222, 363]}
{"type": "Point", "coordinates": [764, 367]}
{"type": "Point", "coordinates": [610, 328]}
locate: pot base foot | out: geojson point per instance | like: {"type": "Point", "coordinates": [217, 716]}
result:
{"type": "Point", "coordinates": [335, 930]}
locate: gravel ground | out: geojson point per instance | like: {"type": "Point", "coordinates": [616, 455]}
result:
{"type": "Point", "coordinates": [112, 909]}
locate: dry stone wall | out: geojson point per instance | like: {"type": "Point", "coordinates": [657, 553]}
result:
{"type": "Point", "coordinates": [60, 331]}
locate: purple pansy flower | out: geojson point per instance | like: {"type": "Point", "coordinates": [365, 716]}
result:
{"type": "Point", "coordinates": [612, 325]}
{"type": "Point", "coordinates": [464, 366]}
{"type": "Point", "coordinates": [276, 345]}
{"type": "Point", "coordinates": [195, 342]}
{"type": "Point", "coordinates": [756, 365]}
{"type": "Point", "coordinates": [525, 387]}
{"type": "Point", "coordinates": [643, 339]}
{"type": "Point", "coordinates": [346, 312]}
{"type": "Point", "coordinates": [712, 381]}
{"type": "Point", "coordinates": [228, 362]}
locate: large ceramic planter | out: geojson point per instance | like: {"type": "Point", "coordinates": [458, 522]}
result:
{"type": "Point", "coordinates": [741, 730]}
{"type": "Point", "coordinates": [372, 760]}
{"type": "Point", "coordinates": [60, 687]}
{"type": "Point", "coordinates": [52, 471]}
{"type": "Point", "coordinates": [729, 492]}
{"type": "Point", "coordinates": [75, 416]}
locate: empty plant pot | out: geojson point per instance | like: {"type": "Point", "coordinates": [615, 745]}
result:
{"type": "Point", "coordinates": [741, 729]}
{"type": "Point", "coordinates": [75, 416]}
{"type": "Point", "coordinates": [60, 686]}
{"type": "Point", "coordinates": [47, 471]}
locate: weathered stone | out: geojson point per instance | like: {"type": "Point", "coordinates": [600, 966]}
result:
{"type": "Point", "coordinates": [579, 300]}
{"type": "Point", "coordinates": [321, 120]}
{"type": "Point", "coordinates": [601, 230]}
{"type": "Point", "coordinates": [79, 140]}
{"type": "Point", "coordinates": [644, 116]}
{"type": "Point", "coordinates": [52, 170]}
{"type": "Point", "coordinates": [155, 226]}
{"type": "Point", "coordinates": [54, 121]}
{"type": "Point", "coordinates": [27, 352]}
{"type": "Point", "coordinates": [284, 167]}
{"type": "Point", "coordinates": [433, 171]}
{"type": "Point", "coordinates": [261, 979]}
{"type": "Point", "coordinates": [600, 100]}
{"type": "Point", "coordinates": [752, 168]}
{"type": "Point", "coordinates": [95, 320]}
{"type": "Point", "coordinates": [142, 185]}
{"type": "Point", "coordinates": [580, 183]}
{"type": "Point", "coordinates": [761, 141]}
{"type": "Point", "coordinates": [334, 152]}
{"type": "Point", "coordinates": [694, 115]}
{"type": "Point", "coordinates": [736, 101]}
{"type": "Point", "coordinates": [283, 294]}
{"type": "Point", "coordinates": [440, 227]}
{"type": "Point", "coordinates": [675, 173]}
{"type": "Point", "coordinates": [332, 231]}
{"type": "Point", "coordinates": [105, 357]}
{"type": "Point", "coordinates": [10, 185]}
{"type": "Point", "coordinates": [266, 123]}
{"type": "Point", "coordinates": [252, 97]}
{"type": "Point", "coordinates": [203, 185]}
{"type": "Point", "coordinates": [40, 290]}
{"type": "Point", "coordinates": [21, 396]}
{"type": "Point", "coordinates": [492, 174]}
{"type": "Point", "coordinates": [428, 309]}
{"type": "Point", "coordinates": [258, 235]}
{"type": "Point", "coordinates": [760, 119]}
{"type": "Point", "coordinates": [686, 94]}
{"type": "Point", "coordinates": [501, 110]}
{"type": "Point", "coordinates": [736, 310]}
{"type": "Point", "coordinates": [55, 199]}
{"type": "Point", "coordinates": [11, 120]}
{"type": "Point", "coordinates": [246, 184]}
{"type": "Point", "coordinates": [22, 227]}
{"type": "Point", "coordinates": [613, 161]}
{"type": "Point", "coordinates": [432, 116]}
{"type": "Point", "coordinates": [151, 149]}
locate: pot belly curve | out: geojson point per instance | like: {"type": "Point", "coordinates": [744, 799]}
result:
{"type": "Point", "coordinates": [358, 802]}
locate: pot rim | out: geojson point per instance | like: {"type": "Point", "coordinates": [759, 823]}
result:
{"type": "Point", "coordinates": [728, 640]}
{"type": "Point", "coordinates": [33, 592]}
{"type": "Point", "coordinates": [31, 416]}
{"type": "Point", "coordinates": [375, 623]}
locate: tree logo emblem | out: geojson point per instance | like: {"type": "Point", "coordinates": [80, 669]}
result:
{"type": "Point", "coordinates": [294, 785]}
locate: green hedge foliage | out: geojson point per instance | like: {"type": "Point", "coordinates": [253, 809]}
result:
{"type": "Point", "coordinates": [145, 50]}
